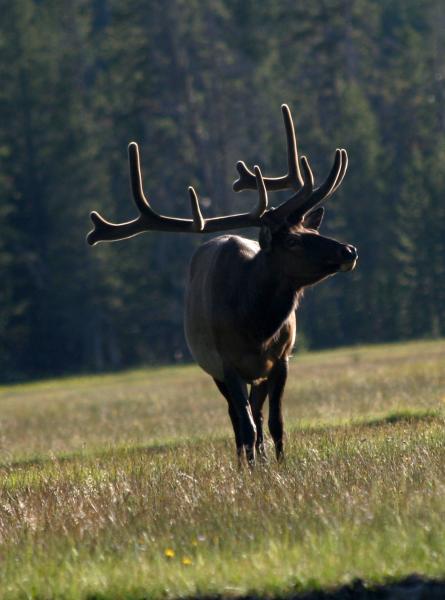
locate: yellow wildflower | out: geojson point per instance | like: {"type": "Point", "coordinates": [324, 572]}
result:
{"type": "Point", "coordinates": [186, 561]}
{"type": "Point", "coordinates": [169, 553]}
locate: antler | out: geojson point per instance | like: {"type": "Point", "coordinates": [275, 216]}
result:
{"type": "Point", "coordinates": [148, 219]}
{"type": "Point", "coordinates": [299, 176]}
{"type": "Point", "coordinates": [293, 179]}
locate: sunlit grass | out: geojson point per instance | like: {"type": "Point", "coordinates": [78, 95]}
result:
{"type": "Point", "coordinates": [126, 486]}
{"type": "Point", "coordinates": [155, 405]}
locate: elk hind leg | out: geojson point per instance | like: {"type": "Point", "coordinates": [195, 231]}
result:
{"type": "Point", "coordinates": [276, 382]}
{"type": "Point", "coordinates": [233, 417]}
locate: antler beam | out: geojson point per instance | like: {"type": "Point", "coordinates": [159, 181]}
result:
{"type": "Point", "coordinates": [149, 220]}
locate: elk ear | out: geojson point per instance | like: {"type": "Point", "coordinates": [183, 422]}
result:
{"type": "Point", "coordinates": [313, 219]}
{"type": "Point", "coordinates": [265, 238]}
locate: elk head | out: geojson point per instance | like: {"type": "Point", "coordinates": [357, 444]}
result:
{"type": "Point", "coordinates": [289, 234]}
{"type": "Point", "coordinates": [300, 254]}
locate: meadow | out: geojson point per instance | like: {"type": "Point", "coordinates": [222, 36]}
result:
{"type": "Point", "coordinates": [127, 486]}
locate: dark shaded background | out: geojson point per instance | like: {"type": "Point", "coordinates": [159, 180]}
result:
{"type": "Point", "coordinates": [199, 85]}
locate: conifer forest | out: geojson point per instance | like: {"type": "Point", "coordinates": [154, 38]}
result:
{"type": "Point", "coordinates": [199, 86]}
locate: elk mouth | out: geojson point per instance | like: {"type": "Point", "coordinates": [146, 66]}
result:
{"type": "Point", "coordinates": [348, 266]}
{"type": "Point", "coordinates": [336, 267]}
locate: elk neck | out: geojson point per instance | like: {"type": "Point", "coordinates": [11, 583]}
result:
{"type": "Point", "coordinates": [270, 297]}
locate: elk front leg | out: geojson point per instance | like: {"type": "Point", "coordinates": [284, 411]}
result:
{"type": "Point", "coordinates": [276, 383]}
{"type": "Point", "coordinates": [237, 390]}
{"type": "Point", "coordinates": [258, 395]}
{"type": "Point", "coordinates": [233, 417]}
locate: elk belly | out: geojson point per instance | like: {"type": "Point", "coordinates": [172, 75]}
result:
{"type": "Point", "coordinates": [199, 331]}
{"type": "Point", "coordinates": [207, 357]}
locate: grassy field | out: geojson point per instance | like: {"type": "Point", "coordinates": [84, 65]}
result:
{"type": "Point", "coordinates": [126, 486]}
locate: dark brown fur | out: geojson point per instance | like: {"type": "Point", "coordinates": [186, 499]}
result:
{"type": "Point", "coordinates": [240, 316]}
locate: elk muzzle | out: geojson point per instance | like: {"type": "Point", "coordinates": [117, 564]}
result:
{"type": "Point", "coordinates": [349, 256]}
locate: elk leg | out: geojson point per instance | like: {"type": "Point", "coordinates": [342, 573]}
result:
{"type": "Point", "coordinates": [233, 416]}
{"type": "Point", "coordinates": [237, 389]}
{"type": "Point", "coordinates": [276, 383]}
{"type": "Point", "coordinates": [258, 395]}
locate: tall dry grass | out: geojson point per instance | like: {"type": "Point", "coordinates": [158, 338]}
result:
{"type": "Point", "coordinates": [91, 504]}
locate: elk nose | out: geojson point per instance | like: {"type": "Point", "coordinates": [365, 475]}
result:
{"type": "Point", "coordinates": [349, 252]}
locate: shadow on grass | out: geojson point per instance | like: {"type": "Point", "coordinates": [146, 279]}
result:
{"type": "Point", "coordinates": [409, 417]}
{"type": "Point", "coordinates": [413, 587]}
{"type": "Point", "coordinates": [404, 416]}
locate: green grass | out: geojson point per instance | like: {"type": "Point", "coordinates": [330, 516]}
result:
{"type": "Point", "coordinates": [100, 476]}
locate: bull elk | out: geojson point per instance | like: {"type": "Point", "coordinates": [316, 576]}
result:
{"type": "Point", "coordinates": [242, 295]}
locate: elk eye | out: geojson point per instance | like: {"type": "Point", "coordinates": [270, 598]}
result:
{"type": "Point", "coordinates": [292, 242]}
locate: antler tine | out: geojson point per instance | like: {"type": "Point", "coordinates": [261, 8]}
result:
{"type": "Point", "coordinates": [292, 179]}
{"type": "Point", "coordinates": [344, 168]}
{"type": "Point", "coordinates": [198, 220]}
{"type": "Point", "coordinates": [140, 200]}
{"type": "Point", "coordinates": [263, 201]}
{"type": "Point", "coordinates": [327, 188]}
{"type": "Point", "coordinates": [104, 231]}
{"type": "Point", "coordinates": [294, 202]}
{"type": "Point", "coordinates": [304, 201]}
{"type": "Point", "coordinates": [246, 180]}
{"type": "Point", "coordinates": [293, 174]}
